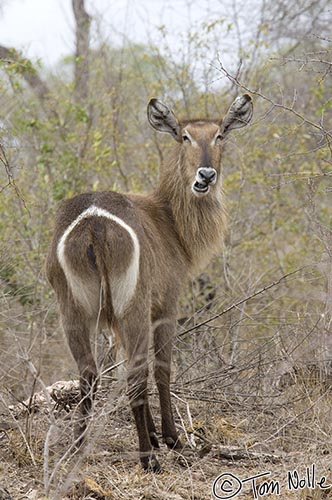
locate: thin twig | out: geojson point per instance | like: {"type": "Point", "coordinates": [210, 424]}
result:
{"type": "Point", "coordinates": [245, 299]}
{"type": "Point", "coordinates": [236, 81]}
{"type": "Point", "coordinates": [10, 176]}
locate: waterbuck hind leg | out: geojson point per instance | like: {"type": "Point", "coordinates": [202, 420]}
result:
{"type": "Point", "coordinates": [151, 427]}
{"type": "Point", "coordinates": [163, 340]}
{"type": "Point", "coordinates": [88, 387]}
{"type": "Point", "coordinates": [135, 330]}
{"type": "Point", "coordinates": [147, 457]}
{"type": "Point", "coordinates": [77, 330]}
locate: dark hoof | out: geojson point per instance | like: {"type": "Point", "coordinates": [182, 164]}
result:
{"type": "Point", "coordinates": [173, 443]}
{"type": "Point", "coordinates": [150, 464]}
{"type": "Point", "coordinates": [154, 440]}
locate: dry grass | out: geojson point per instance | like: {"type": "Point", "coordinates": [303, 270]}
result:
{"type": "Point", "coordinates": [278, 439]}
{"type": "Point", "coordinates": [234, 420]}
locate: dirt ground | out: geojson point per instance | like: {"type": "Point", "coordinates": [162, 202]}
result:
{"type": "Point", "coordinates": [288, 446]}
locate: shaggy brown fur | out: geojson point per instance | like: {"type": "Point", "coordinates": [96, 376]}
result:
{"type": "Point", "coordinates": [119, 261]}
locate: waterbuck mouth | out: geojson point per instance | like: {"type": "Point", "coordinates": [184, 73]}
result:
{"type": "Point", "coordinates": [205, 177]}
{"type": "Point", "coordinates": [200, 187]}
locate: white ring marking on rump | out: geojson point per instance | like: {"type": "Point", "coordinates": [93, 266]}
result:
{"type": "Point", "coordinates": [122, 287]}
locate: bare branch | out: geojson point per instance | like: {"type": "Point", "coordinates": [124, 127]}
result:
{"type": "Point", "coordinates": [235, 81]}
{"type": "Point", "coordinates": [242, 301]}
{"type": "Point", "coordinates": [10, 176]}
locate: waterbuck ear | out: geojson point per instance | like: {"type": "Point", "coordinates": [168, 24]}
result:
{"type": "Point", "coordinates": [161, 118]}
{"type": "Point", "coordinates": [239, 114]}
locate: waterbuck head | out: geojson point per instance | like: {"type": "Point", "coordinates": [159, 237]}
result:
{"type": "Point", "coordinates": [200, 141]}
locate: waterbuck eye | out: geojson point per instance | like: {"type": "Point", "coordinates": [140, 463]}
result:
{"type": "Point", "coordinates": [186, 138]}
{"type": "Point", "coordinates": [219, 137]}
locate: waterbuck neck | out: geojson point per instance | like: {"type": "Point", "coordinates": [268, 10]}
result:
{"type": "Point", "coordinates": [200, 223]}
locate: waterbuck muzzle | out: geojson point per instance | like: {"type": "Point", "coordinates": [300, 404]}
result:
{"type": "Point", "coordinates": [205, 176]}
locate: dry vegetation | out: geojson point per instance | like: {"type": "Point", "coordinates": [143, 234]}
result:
{"type": "Point", "coordinates": [252, 366]}
{"type": "Point", "coordinates": [222, 436]}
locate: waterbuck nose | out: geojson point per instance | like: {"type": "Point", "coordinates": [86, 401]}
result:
{"type": "Point", "coordinates": [207, 174]}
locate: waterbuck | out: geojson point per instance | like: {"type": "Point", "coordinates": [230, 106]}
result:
{"type": "Point", "coordinates": [119, 260]}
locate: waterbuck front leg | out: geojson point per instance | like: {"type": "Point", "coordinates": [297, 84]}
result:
{"type": "Point", "coordinates": [164, 330]}
{"type": "Point", "coordinates": [77, 330]}
{"type": "Point", "coordinates": [135, 333]}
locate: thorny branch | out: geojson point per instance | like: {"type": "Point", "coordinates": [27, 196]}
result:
{"type": "Point", "coordinates": [242, 301]}
{"type": "Point", "coordinates": [235, 81]}
{"type": "Point", "coordinates": [5, 162]}
{"type": "Point", "coordinates": [10, 176]}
